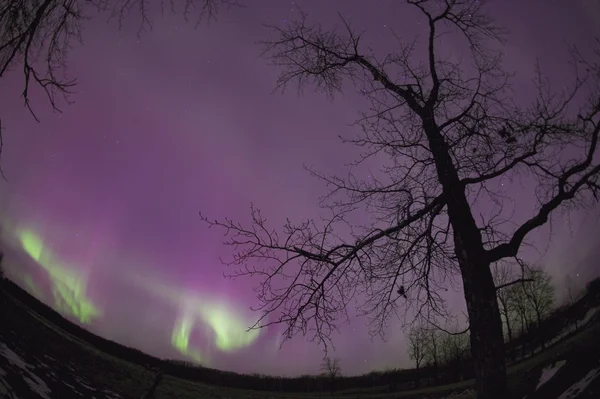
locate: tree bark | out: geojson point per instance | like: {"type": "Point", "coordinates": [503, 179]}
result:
{"type": "Point", "coordinates": [487, 341]}
{"type": "Point", "coordinates": [508, 330]}
{"type": "Point", "coordinates": [417, 379]}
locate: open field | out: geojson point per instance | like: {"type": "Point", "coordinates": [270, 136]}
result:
{"type": "Point", "coordinates": [39, 360]}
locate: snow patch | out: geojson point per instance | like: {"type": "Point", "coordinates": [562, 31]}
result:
{"type": "Point", "coordinates": [112, 395]}
{"type": "Point", "coordinates": [458, 395]}
{"type": "Point", "coordinates": [83, 384]}
{"type": "Point", "coordinates": [13, 357]}
{"type": "Point", "coordinates": [549, 372]}
{"type": "Point", "coordinates": [580, 385]}
{"type": "Point", "coordinates": [73, 388]}
{"type": "Point", "coordinates": [35, 383]}
{"type": "Point", "coordinates": [573, 327]}
{"type": "Point", "coordinates": [590, 315]}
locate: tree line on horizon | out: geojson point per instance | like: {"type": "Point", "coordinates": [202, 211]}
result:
{"type": "Point", "coordinates": [445, 357]}
{"type": "Point", "coordinates": [524, 307]}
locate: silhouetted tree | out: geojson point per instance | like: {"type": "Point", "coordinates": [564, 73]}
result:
{"type": "Point", "coordinates": [524, 317]}
{"type": "Point", "coordinates": [417, 341]}
{"type": "Point", "coordinates": [158, 376]}
{"type": "Point", "coordinates": [454, 349]}
{"type": "Point", "coordinates": [331, 368]}
{"type": "Point", "coordinates": [450, 130]}
{"type": "Point", "coordinates": [572, 290]}
{"type": "Point", "coordinates": [572, 295]}
{"type": "Point", "coordinates": [506, 275]}
{"type": "Point", "coordinates": [539, 294]}
{"type": "Point", "coordinates": [593, 287]}
{"type": "Point", "coordinates": [2, 275]}
{"type": "Point", "coordinates": [432, 349]}
{"type": "Point", "coordinates": [391, 379]}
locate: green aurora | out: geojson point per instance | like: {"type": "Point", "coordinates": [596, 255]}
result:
{"type": "Point", "coordinates": [228, 327]}
{"type": "Point", "coordinates": [69, 288]}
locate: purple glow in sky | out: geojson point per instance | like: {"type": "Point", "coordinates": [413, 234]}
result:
{"type": "Point", "coordinates": [182, 120]}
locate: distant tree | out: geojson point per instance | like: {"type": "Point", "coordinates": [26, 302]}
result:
{"type": "Point", "coordinates": [593, 287]}
{"type": "Point", "coordinates": [417, 342]}
{"type": "Point", "coordinates": [454, 351]}
{"type": "Point", "coordinates": [2, 274]}
{"type": "Point", "coordinates": [158, 376]}
{"type": "Point", "coordinates": [532, 301]}
{"type": "Point", "coordinates": [539, 294]}
{"type": "Point", "coordinates": [524, 316]}
{"type": "Point", "coordinates": [332, 369]}
{"type": "Point", "coordinates": [572, 292]}
{"type": "Point", "coordinates": [504, 274]}
{"type": "Point", "coordinates": [432, 349]}
{"type": "Point", "coordinates": [572, 295]}
{"type": "Point", "coordinates": [391, 378]}
{"type": "Point", "coordinates": [448, 131]}
{"type": "Point", "coordinates": [511, 303]}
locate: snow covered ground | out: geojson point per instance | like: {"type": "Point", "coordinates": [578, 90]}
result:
{"type": "Point", "coordinates": [19, 378]}
{"type": "Point", "coordinates": [36, 384]}
{"type": "Point", "coordinates": [459, 395]}
{"type": "Point", "coordinates": [549, 372]}
{"type": "Point", "coordinates": [589, 316]}
{"type": "Point", "coordinates": [567, 331]}
{"type": "Point", "coordinates": [580, 385]}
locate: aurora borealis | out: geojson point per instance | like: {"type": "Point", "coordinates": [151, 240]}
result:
{"type": "Point", "coordinates": [68, 288]}
{"type": "Point", "coordinates": [99, 216]}
{"type": "Point", "coordinates": [226, 326]}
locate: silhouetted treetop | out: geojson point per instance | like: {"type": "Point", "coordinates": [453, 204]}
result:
{"type": "Point", "coordinates": [449, 129]}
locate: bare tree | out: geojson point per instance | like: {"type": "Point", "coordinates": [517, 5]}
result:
{"type": "Point", "coordinates": [524, 317]}
{"type": "Point", "coordinates": [36, 36]}
{"type": "Point", "coordinates": [573, 290]}
{"type": "Point", "coordinates": [531, 301]}
{"type": "Point", "coordinates": [592, 288]}
{"type": "Point", "coordinates": [2, 281]}
{"type": "Point", "coordinates": [506, 276]}
{"type": "Point", "coordinates": [1, 267]}
{"type": "Point", "coordinates": [417, 341]}
{"type": "Point", "coordinates": [158, 376]}
{"type": "Point", "coordinates": [332, 369]}
{"type": "Point", "coordinates": [432, 349]}
{"type": "Point", "coordinates": [450, 131]}
{"type": "Point", "coordinates": [572, 293]}
{"type": "Point", "coordinates": [539, 294]}
{"type": "Point", "coordinates": [454, 349]}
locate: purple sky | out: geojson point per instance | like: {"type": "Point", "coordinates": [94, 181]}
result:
{"type": "Point", "coordinates": [184, 120]}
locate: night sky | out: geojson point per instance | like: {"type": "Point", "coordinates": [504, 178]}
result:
{"type": "Point", "coordinates": [183, 120]}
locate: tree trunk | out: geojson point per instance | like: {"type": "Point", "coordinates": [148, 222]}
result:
{"type": "Point", "coordinates": [508, 331]}
{"type": "Point", "coordinates": [487, 340]}
{"type": "Point", "coordinates": [417, 379]}
{"type": "Point", "coordinates": [541, 333]}
{"type": "Point", "coordinates": [507, 320]}
{"type": "Point", "coordinates": [509, 334]}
